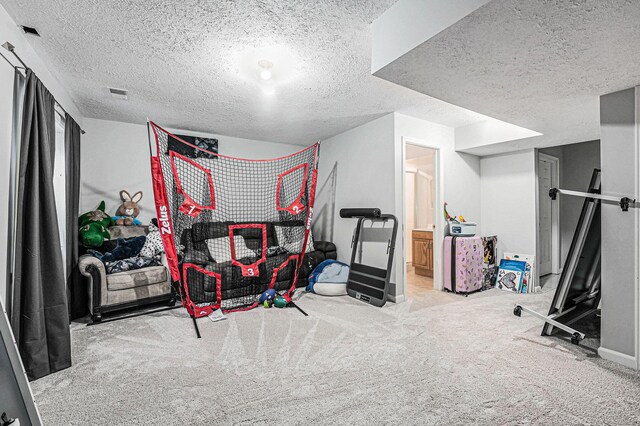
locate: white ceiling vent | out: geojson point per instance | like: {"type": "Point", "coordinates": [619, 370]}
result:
{"type": "Point", "coordinates": [119, 93]}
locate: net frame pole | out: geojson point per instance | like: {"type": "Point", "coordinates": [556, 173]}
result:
{"type": "Point", "coordinates": [195, 325]}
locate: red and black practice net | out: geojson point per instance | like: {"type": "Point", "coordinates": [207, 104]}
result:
{"type": "Point", "coordinates": [231, 227]}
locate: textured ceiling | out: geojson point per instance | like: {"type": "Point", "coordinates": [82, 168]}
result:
{"type": "Point", "coordinates": [193, 64]}
{"type": "Point", "coordinates": [539, 64]}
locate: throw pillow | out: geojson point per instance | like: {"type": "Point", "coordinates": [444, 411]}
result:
{"type": "Point", "coordinates": [124, 249]}
{"type": "Point", "coordinates": [153, 244]}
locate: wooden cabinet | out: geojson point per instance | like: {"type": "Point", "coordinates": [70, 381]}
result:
{"type": "Point", "coordinates": [423, 252]}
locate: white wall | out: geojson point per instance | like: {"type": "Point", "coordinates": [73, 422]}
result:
{"type": "Point", "coordinates": [459, 180]}
{"type": "Point", "coordinates": [508, 192]}
{"type": "Point", "coordinates": [488, 132]}
{"type": "Point", "coordinates": [115, 156]}
{"type": "Point", "coordinates": [461, 172]}
{"type": "Point", "coordinates": [361, 159]}
{"type": "Point", "coordinates": [9, 31]}
{"type": "Point", "coordinates": [368, 162]}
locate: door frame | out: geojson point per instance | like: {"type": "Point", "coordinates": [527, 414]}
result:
{"type": "Point", "coordinates": [556, 253]}
{"type": "Point", "coordinates": [438, 232]}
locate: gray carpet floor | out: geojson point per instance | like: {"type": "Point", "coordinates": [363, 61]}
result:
{"type": "Point", "coordinates": [435, 359]}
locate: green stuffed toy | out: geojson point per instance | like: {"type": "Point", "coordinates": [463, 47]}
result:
{"type": "Point", "coordinates": [93, 227]}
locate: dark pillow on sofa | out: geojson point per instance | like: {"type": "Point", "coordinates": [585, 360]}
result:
{"type": "Point", "coordinates": [108, 246]}
{"type": "Point", "coordinates": [124, 249]}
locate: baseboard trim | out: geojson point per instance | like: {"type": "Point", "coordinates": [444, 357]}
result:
{"type": "Point", "coordinates": [396, 299]}
{"type": "Point", "coordinates": [619, 357]}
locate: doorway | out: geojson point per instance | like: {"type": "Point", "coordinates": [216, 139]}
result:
{"type": "Point", "coordinates": [548, 215]}
{"type": "Point", "coordinates": [420, 217]}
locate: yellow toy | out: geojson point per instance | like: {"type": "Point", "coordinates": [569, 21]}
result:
{"type": "Point", "coordinates": [450, 218]}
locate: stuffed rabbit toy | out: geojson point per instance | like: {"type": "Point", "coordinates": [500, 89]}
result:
{"type": "Point", "coordinates": [128, 210]}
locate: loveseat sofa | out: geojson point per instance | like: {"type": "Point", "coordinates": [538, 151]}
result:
{"type": "Point", "coordinates": [122, 290]}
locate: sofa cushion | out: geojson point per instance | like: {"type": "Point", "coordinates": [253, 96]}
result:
{"type": "Point", "coordinates": [137, 278]}
{"type": "Point", "coordinates": [137, 294]}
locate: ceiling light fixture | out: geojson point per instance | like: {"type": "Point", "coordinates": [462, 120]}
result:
{"type": "Point", "coordinates": [266, 66]}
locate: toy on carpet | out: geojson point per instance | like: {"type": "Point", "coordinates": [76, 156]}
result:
{"type": "Point", "coordinates": [128, 211]}
{"type": "Point", "coordinates": [93, 227]}
{"type": "Point", "coordinates": [270, 298]}
{"type": "Point", "coordinates": [280, 302]}
{"type": "Point", "coordinates": [267, 295]}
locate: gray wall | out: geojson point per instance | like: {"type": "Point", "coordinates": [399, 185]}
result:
{"type": "Point", "coordinates": [508, 202]}
{"type": "Point", "coordinates": [577, 162]}
{"type": "Point", "coordinates": [619, 153]}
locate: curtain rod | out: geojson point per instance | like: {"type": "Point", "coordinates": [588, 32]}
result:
{"type": "Point", "coordinates": [11, 48]}
{"type": "Point", "coordinates": [8, 61]}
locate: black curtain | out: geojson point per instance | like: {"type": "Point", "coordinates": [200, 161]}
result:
{"type": "Point", "coordinates": [39, 318]}
{"type": "Point", "coordinates": [77, 295]}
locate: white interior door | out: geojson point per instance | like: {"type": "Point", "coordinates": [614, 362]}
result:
{"type": "Point", "coordinates": [546, 170]}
